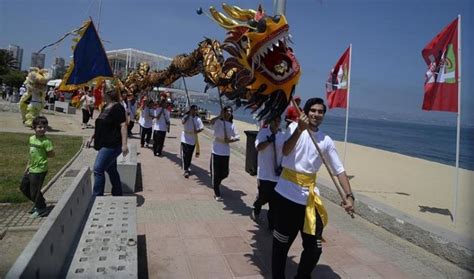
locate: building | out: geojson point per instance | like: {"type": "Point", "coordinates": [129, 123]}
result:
{"type": "Point", "coordinates": [17, 53]}
{"type": "Point", "coordinates": [123, 61]}
{"type": "Point", "coordinates": [37, 60]}
{"type": "Point", "coordinates": [58, 69]}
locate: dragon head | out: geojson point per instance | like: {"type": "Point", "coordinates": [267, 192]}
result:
{"type": "Point", "coordinates": [265, 68]}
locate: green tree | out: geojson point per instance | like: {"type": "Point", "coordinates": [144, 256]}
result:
{"type": "Point", "coordinates": [13, 78]}
{"type": "Point", "coordinates": [7, 62]}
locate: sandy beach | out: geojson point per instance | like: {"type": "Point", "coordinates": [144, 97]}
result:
{"type": "Point", "coordinates": [419, 188]}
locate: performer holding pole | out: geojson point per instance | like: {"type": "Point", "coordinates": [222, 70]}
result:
{"type": "Point", "coordinates": [269, 144]}
{"type": "Point", "coordinates": [192, 125]}
{"type": "Point", "coordinates": [297, 202]}
{"type": "Point", "coordinates": [224, 133]}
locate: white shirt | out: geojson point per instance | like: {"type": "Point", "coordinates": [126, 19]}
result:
{"type": "Point", "coordinates": [267, 163]}
{"type": "Point", "coordinates": [304, 158]}
{"type": "Point", "coordinates": [161, 124]}
{"type": "Point", "coordinates": [220, 148]}
{"type": "Point", "coordinates": [22, 90]}
{"type": "Point", "coordinates": [146, 121]}
{"type": "Point", "coordinates": [85, 102]}
{"type": "Point", "coordinates": [193, 124]}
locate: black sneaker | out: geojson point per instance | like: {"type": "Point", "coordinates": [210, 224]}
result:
{"type": "Point", "coordinates": [186, 174]}
{"type": "Point", "coordinates": [32, 210]}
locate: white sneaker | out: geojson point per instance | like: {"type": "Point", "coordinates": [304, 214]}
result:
{"type": "Point", "coordinates": [219, 199]}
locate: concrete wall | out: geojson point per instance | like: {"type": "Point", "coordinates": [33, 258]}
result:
{"type": "Point", "coordinates": [46, 254]}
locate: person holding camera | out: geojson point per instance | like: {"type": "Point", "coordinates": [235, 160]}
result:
{"type": "Point", "coordinates": [269, 144]}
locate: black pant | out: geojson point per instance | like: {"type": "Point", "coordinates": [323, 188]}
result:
{"type": "Point", "coordinates": [85, 116]}
{"type": "Point", "coordinates": [266, 189]}
{"type": "Point", "coordinates": [145, 132]}
{"type": "Point", "coordinates": [187, 151]}
{"type": "Point", "coordinates": [219, 171]}
{"type": "Point", "coordinates": [289, 220]}
{"type": "Point", "coordinates": [130, 127]}
{"type": "Point", "coordinates": [158, 141]}
{"type": "Point", "coordinates": [31, 187]}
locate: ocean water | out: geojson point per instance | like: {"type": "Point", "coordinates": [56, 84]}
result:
{"type": "Point", "coordinates": [429, 142]}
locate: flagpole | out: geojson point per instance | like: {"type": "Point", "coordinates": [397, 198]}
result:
{"type": "Point", "coordinates": [458, 129]}
{"type": "Point", "coordinates": [100, 10]}
{"type": "Point", "coordinates": [348, 98]}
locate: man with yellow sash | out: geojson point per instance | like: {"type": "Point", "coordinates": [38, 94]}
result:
{"type": "Point", "coordinates": [192, 125]}
{"type": "Point", "coordinates": [224, 133]}
{"type": "Point", "coordinates": [298, 207]}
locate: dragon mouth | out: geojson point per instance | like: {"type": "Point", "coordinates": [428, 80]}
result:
{"type": "Point", "coordinates": [274, 59]}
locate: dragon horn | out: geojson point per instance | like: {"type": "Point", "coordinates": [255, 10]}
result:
{"type": "Point", "coordinates": [223, 20]}
{"type": "Point", "coordinates": [238, 13]}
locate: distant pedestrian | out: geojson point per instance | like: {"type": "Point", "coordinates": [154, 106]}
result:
{"type": "Point", "coordinates": [192, 126]}
{"type": "Point", "coordinates": [146, 123]}
{"type": "Point", "coordinates": [132, 105]}
{"type": "Point", "coordinates": [85, 102]}
{"type": "Point", "coordinates": [3, 90]}
{"type": "Point", "coordinates": [110, 139]}
{"type": "Point", "coordinates": [269, 144]}
{"type": "Point", "coordinates": [224, 133]}
{"type": "Point", "coordinates": [298, 207]}
{"type": "Point", "coordinates": [41, 148]}
{"type": "Point", "coordinates": [51, 95]}
{"type": "Point", "coordinates": [160, 127]}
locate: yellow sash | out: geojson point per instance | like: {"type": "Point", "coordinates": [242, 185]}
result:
{"type": "Point", "coordinates": [314, 202]}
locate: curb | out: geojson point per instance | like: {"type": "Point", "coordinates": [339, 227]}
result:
{"type": "Point", "coordinates": [63, 169]}
{"type": "Point", "coordinates": [448, 245]}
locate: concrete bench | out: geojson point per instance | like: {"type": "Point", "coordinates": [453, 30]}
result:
{"type": "Point", "coordinates": [127, 168]}
{"type": "Point", "coordinates": [64, 107]}
{"type": "Point", "coordinates": [83, 237]}
{"type": "Point", "coordinates": [108, 245]}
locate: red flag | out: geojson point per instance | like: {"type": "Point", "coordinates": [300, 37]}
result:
{"type": "Point", "coordinates": [441, 56]}
{"type": "Point", "coordinates": [338, 82]}
{"type": "Point", "coordinates": [98, 93]}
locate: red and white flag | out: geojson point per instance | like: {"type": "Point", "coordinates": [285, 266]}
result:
{"type": "Point", "coordinates": [337, 85]}
{"type": "Point", "coordinates": [441, 56]}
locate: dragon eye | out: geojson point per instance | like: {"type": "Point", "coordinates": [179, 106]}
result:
{"type": "Point", "coordinates": [261, 26]}
{"type": "Point", "coordinates": [252, 23]}
{"type": "Point", "coordinates": [276, 18]}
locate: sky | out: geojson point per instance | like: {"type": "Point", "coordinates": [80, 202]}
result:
{"type": "Point", "coordinates": [387, 37]}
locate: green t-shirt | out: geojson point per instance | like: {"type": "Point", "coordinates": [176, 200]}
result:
{"type": "Point", "coordinates": [39, 148]}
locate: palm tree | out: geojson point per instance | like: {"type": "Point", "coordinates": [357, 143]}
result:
{"type": "Point", "coordinates": [7, 61]}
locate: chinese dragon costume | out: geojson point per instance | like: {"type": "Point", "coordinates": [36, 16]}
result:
{"type": "Point", "coordinates": [261, 68]}
{"type": "Point", "coordinates": [35, 84]}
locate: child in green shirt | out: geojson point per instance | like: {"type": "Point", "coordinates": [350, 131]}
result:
{"type": "Point", "coordinates": [40, 149]}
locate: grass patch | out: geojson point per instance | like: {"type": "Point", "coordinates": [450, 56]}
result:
{"type": "Point", "coordinates": [14, 156]}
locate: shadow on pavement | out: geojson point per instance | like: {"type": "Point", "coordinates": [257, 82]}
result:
{"type": "Point", "coordinates": [142, 257]}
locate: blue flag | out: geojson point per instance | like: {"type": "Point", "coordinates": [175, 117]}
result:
{"type": "Point", "coordinates": [89, 61]}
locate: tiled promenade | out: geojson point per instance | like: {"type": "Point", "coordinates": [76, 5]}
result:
{"type": "Point", "coordinates": [190, 235]}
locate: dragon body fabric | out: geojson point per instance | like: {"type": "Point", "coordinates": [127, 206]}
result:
{"type": "Point", "coordinates": [35, 92]}
{"type": "Point", "coordinates": [261, 67]}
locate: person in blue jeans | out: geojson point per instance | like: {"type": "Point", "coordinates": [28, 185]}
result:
{"type": "Point", "coordinates": [110, 139]}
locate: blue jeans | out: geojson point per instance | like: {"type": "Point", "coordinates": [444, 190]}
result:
{"type": "Point", "coordinates": [106, 161]}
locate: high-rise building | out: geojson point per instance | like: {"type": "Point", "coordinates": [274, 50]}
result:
{"type": "Point", "coordinates": [37, 60]}
{"type": "Point", "coordinates": [17, 53]}
{"type": "Point", "coordinates": [59, 61]}
{"type": "Point", "coordinates": [58, 68]}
